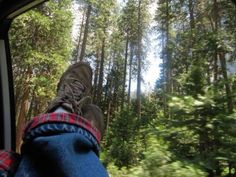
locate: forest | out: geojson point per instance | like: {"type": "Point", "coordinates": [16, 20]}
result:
{"type": "Point", "coordinates": [185, 125]}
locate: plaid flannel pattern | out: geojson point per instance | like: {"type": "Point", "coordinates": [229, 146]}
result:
{"type": "Point", "coordinates": [8, 163]}
{"type": "Point", "coordinates": [67, 118]}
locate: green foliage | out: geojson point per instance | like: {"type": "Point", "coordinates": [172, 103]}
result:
{"type": "Point", "coordinates": [201, 130]}
{"type": "Point", "coordinates": [122, 140]}
{"type": "Point", "coordinates": [196, 90]}
{"type": "Point", "coordinates": [40, 46]}
{"type": "Point", "coordinates": [158, 161]}
{"type": "Point", "coordinates": [136, 147]}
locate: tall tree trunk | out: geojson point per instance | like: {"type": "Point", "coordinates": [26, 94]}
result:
{"type": "Point", "coordinates": [32, 104]}
{"type": "Point", "coordinates": [109, 81]}
{"type": "Point", "coordinates": [101, 73]}
{"type": "Point", "coordinates": [80, 37]}
{"type": "Point", "coordinates": [168, 56]}
{"type": "Point", "coordinates": [95, 83]}
{"type": "Point", "coordinates": [130, 72]}
{"type": "Point", "coordinates": [215, 67]}
{"type": "Point", "coordinates": [124, 73]}
{"type": "Point", "coordinates": [18, 95]}
{"type": "Point", "coordinates": [139, 62]}
{"type": "Point", "coordinates": [163, 86]}
{"type": "Point", "coordinates": [22, 118]}
{"type": "Point", "coordinates": [109, 107]}
{"type": "Point", "coordinates": [192, 25]}
{"type": "Point", "coordinates": [83, 47]}
{"type": "Point", "coordinates": [115, 98]}
{"type": "Point", "coordinates": [216, 56]}
{"type": "Point", "coordinates": [226, 81]}
{"type": "Point", "coordinates": [191, 16]}
{"type": "Point", "coordinates": [222, 60]}
{"type": "Point", "coordinates": [167, 61]}
{"type": "Point", "coordinates": [215, 70]}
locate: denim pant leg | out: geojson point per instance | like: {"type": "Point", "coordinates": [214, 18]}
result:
{"type": "Point", "coordinates": [63, 155]}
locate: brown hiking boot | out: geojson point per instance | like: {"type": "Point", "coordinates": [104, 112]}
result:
{"type": "Point", "coordinates": [73, 89]}
{"type": "Point", "coordinates": [94, 115]}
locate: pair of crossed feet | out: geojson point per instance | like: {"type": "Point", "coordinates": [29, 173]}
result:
{"type": "Point", "coordinates": [73, 95]}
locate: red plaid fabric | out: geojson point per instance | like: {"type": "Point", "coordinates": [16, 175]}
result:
{"type": "Point", "coordinates": [68, 118]}
{"type": "Point", "coordinates": [8, 161]}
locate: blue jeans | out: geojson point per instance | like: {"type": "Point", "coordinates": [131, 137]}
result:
{"type": "Point", "coordinates": [60, 149]}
